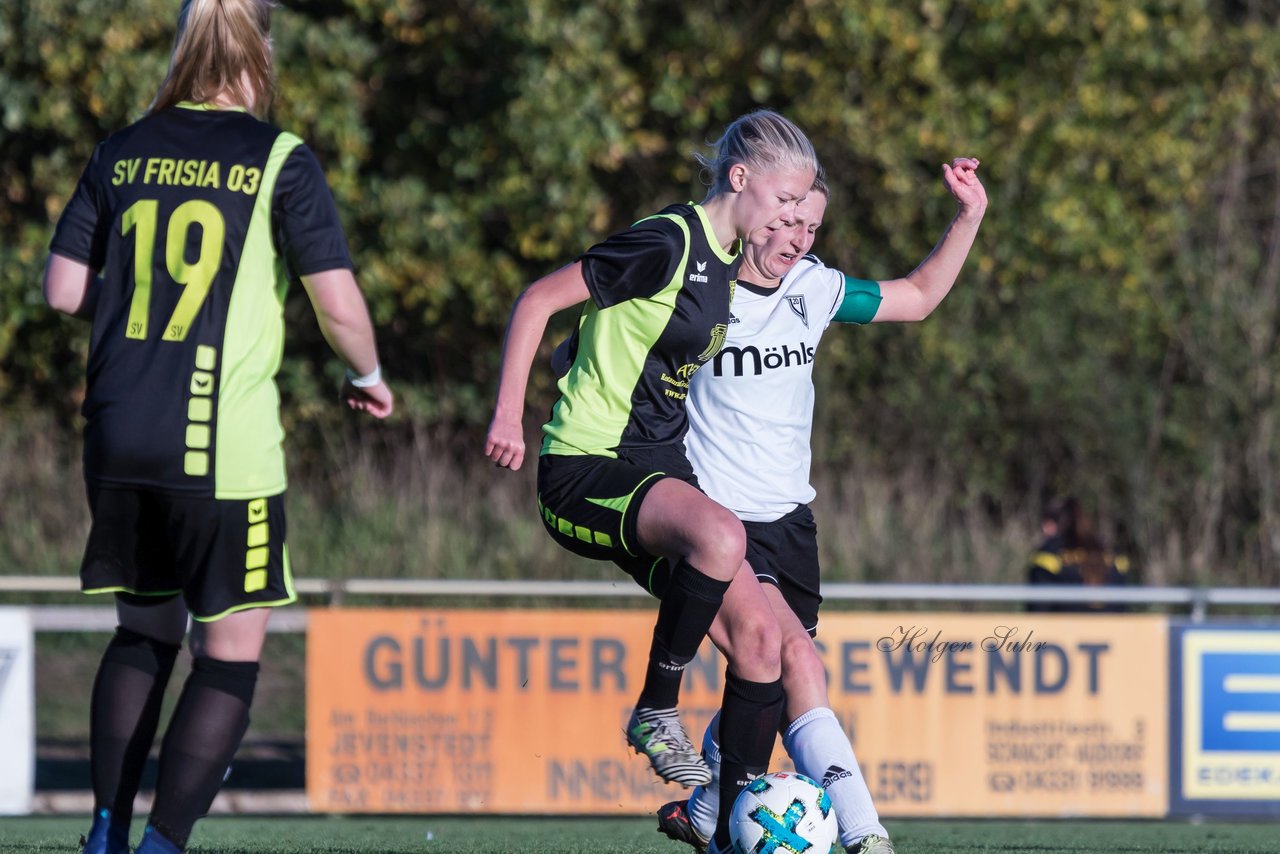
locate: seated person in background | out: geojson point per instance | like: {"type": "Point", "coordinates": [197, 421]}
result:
{"type": "Point", "coordinates": [1074, 553]}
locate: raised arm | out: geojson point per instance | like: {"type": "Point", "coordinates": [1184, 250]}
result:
{"type": "Point", "coordinates": [555, 292]}
{"type": "Point", "coordinates": [915, 297]}
{"type": "Point", "coordinates": [344, 320]}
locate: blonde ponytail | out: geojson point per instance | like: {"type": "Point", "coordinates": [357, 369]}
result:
{"type": "Point", "coordinates": [222, 48]}
{"type": "Point", "coordinates": [764, 141]}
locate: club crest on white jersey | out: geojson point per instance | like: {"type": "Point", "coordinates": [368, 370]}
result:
{"type": "Point", "coordinates": [797, 305]}
{"type": "Point", "coordinates": [751, 412]}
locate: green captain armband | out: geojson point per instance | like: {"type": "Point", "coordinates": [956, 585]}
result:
{"type": "Point", "coordinates": [861, 301]}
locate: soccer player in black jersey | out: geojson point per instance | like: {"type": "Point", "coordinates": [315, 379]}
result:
{"type": "Point", "coordinates": [749, 443]}
{"type": "Point", "coordinates": [613, 481]}
{"type": "Point", "coordinates": [194, 217]}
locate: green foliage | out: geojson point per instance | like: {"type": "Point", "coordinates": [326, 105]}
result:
{"type": "Point", "coordinates": [1113, 333]}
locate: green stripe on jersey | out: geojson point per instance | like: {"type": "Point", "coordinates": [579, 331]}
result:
{"type": "Point", "coordinates": [861, 301]}
{"type": "Point", "coordinates": [712, 242]}
{"type": "Point", "coordinates": [250, 459]}
{"type": "Point", "coordinates": [595, 408]}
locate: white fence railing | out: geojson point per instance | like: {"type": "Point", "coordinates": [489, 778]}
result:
{"type": "Point", "coordinates": [1196, 600]}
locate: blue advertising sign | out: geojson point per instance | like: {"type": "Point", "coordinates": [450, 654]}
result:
{"type": "Point", "coordinates": [1225, 718]}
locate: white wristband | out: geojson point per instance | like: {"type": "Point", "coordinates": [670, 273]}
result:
{"type": "Point", "coordinates": [370, 379]}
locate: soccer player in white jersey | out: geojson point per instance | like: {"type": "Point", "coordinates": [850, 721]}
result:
{"type": "Point", "coordinates": [750, 420]}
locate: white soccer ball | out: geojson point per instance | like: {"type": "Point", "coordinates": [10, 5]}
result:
{"type": "Point", "coordinates": [783, 813]}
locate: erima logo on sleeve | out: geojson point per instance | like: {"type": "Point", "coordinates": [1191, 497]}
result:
{"type": "Point", "coordinates": [699, 276]}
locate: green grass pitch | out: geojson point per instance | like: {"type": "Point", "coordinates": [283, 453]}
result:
{"type": "Point", "coordinates": [486, 835]}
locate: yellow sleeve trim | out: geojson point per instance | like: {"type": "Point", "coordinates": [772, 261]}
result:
{"type": "Point", "coordinates": [1048, 562]}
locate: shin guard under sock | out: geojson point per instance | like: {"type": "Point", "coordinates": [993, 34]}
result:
{"type": "Point", "coordinates": [208, 723]}
{"type": "Point", "coordinates": [124, 712]}
{"type": "Point", "coordinates": [749, 719]}
{"type": "Point", "coordinates": [820, 749]}
{"type": "Point", "coordinates": [688, 607]}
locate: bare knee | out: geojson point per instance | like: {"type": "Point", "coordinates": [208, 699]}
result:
{"type": "Point", "coordinates": [677, 521]}
{"type": "Point", "coordinates": [801, 658]}
{"type": "Point", "coordinates": [803, 675]}
{"type": "Point", "coordinates": [235, 637]}
{"type": "Point", "coordinates": [756, 648]}
{"type": "Point", "coordinates": [719, 544]}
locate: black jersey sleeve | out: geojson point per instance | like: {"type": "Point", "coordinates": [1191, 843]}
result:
{"type": "Point", "coordinates": [305, 220]}
{"type": "Point", "coordinates": [85, 225]}
{"type": "Point", "coordinates": [635, 263]}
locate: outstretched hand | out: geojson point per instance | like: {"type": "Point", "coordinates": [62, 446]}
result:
{"type": "Point", "coordinates": [961, 178]}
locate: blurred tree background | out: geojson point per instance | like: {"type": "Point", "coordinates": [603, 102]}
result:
{"type": "Point", "coordinates": [1113, 334]}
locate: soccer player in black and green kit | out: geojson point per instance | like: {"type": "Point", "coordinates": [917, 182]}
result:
{"type": "Point", "coordinates": [613, 481]}
{"type": "Point", "coordinates": [195, 217]}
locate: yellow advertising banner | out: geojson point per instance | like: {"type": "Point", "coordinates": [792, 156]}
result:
{"type": "Point", "coordinates": [522, 711]}
{"type": "Point", "coordinates": [1005, 714]}
{"type": "Point", "coordinates": [483, 711]}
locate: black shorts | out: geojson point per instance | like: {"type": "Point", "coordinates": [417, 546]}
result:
{"type": "Point", "coordinates": [589, 504]}
{"type": "Point", "coordinates": [222, 556]}
{"type": "Point", "coordinates": [784, 553]}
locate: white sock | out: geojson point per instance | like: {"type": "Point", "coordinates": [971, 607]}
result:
{"type": "Point", "coordinates": [820, 749]}
{"type": "Point", "coordinates": [704, 803]}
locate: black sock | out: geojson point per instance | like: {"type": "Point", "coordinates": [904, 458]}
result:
{"type": "Point", "coordinates": [123, 714]}
{"type": "Point", "coordinates": [685, 614]}
{"type": "Point", "coordinates": [749, 718]}
{"type": "Point", "coordinates": [210, 719]}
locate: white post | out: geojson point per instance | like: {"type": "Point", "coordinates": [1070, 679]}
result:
{"type": "Point", "coordinates": [17, 712]}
